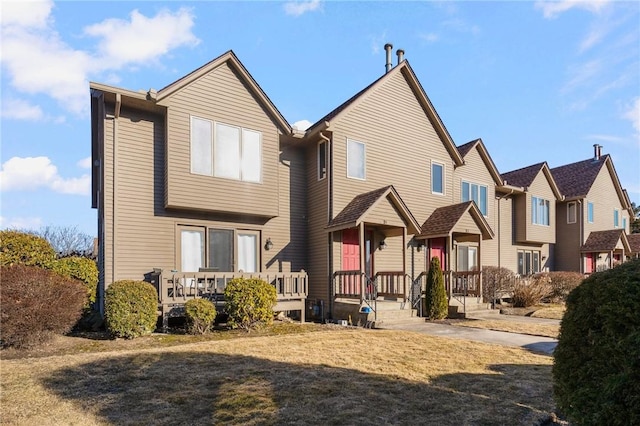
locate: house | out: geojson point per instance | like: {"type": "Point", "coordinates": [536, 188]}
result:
{"type": "Point", "coordinates": [204, 180]}
{"type": "Point", "coordinates": [594, 201]}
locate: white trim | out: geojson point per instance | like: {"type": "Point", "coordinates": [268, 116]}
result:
{"type": "Point", "coordinates": [593, 212]}
{"type": "Point", "coordinates": [364, 160]}
{"type": "Point", "coordinates": [616, 225]}
{"type": "Point", "coordinates": [241, 131]}
{"type": "Point", "coordinates": [444, 173]}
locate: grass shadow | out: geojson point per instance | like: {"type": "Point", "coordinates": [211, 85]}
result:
{"type": "Point", "coordinates": [210, 388]}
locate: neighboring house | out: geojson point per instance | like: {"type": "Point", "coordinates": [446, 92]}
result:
{"type": "Point", "coordinates": [533, 195]}
{"type": "Point", "coordinates": [204, 180]}
{"type": "Point", "coordinates": [594, 201]}
{"type": "Point", "coordinates": [634, 245]}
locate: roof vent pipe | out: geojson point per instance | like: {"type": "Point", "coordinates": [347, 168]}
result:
{"type": "Point", "coordinates": [400, 54]}
{"type": "Point", "coordinates": [388, 47]}
{"type": "Point", "coordinates": [597, 151]}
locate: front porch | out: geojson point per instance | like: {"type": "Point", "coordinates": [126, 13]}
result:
{"type": "Point", "coordinates": [176, 288]}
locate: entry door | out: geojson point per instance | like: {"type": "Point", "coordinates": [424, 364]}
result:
{"type": "Point", "coordinates": [590, 264]}
{"type": "Point", "coordinates": [351, 258]}
{"type": "Point", "coordinates": [438, 247]}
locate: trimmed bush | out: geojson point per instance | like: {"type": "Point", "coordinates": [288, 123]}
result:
{"type": "Point", "coordinates": [131, 308]}
{"type": "Point", "coordinates": [530, 291]}
{"type": "Point", "coordinates": [496, 282]}
{"type": "Point", "coordinates": [436, 304]}
{"type": "Point", "coordinates": [36, 304]}
{"type": "Point", "coordinates": [249, 302]}
{"type": "Point", "coordinates": [83, 269]}
{"type": "Point", "coordinates": [562, 283]}
{"type": "Point", "coordinates": [200, 315]}
{"type": "Point", "coordinates": [25, 249]}
{"type": "Point", "coordinates": [596, 372]}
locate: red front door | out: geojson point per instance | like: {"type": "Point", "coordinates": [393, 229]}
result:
{"type": "Point", "coordinates": [351, 258]}
{"type": "Point", "coordinates": [438, 247]}
{"type": "Point", "coordinates": [590, 264]}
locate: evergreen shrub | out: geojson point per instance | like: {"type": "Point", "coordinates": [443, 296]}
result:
{"type": "Point", "coordinates": [249, 302]}
{"type": "Point", "coordinates": [26, 249]}
{"type": "Point", "coordinates": [200, 315]}
{"type": "Point", "coordinates": [131, 308]}
{"type": "Point", "coordinates": [596, 373]}
{"type": "Point", "coordinates": [83, 269]}
{"type": "Point", "coordinates": [36, 304]}
{"type": "Point", "coordinates": [436, 303]}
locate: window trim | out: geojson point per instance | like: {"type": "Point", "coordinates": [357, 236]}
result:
{"type": "Point", "coordinates": [533, 255]}
{"type": "Point", "coordinates": [364, 159]}
{"type": "Point", "coordinates": [322, 173]}
{"type": "Point", "coordinates": [211, 144]}
{"type": "Point", "coordinates": [535, 205]}
{"type": "Point", "coordinates": [591, 212]}
{"type": "Point", "coordinates": [433, 162]}
{"type": "Point", "coordinates": [479, 185]}
{"type": "Point", "coordinates": [241, 131]}
{"type": "Point", "coordinates": [616, 218]}
{"type": "Point", "coordinates": [575, 212]}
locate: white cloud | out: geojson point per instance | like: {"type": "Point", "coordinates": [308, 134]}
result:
{"type": "Point", "coordinates": [141, 39]}
{"type": "Point", "coordinates": [302, 124]}
{"type": "Point", "coordinates": [553, 9]}
{"type": "Point", "coordinates": [429, 37]}
{"type": "Point", "coordinates": [20, 222]}
{"type": "Point", "coordinates": [633, 114]}
{"type": "Point", "coordinates": [85, 163]}
{"type": "Point", "coordinates": [297, 8]}
{"type": "Point", "coordinates": [38, 61]}
{"type": "Point", "coordinates": [19, 109]}
{"type": "Point", "coordinates": [31, 173]}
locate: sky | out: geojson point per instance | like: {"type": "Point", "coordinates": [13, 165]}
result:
{"type": "Point", "coordinates": [537, 81]}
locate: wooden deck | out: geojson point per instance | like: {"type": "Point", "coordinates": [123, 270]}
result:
{"type": "Point", "coordinates": [175, 288]}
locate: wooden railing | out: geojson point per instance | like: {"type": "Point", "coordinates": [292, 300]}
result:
{"type": "Point", "coordinates": [350, 284]}
{"type": "Point", "coordinates": [392, 284]}
{"type": "Point", "coordinates": [463, 283]}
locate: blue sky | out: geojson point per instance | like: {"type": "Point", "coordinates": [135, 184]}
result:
{"type": "Point", "coordinates": [537, 81]}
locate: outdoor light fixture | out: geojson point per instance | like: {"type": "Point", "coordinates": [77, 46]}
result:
{"type": "Point", "coordinates": [544, 257]}
{"type": "Point", "coordinates": [383, 244]}
{"type": "Point", "coordinates": [268, 245]}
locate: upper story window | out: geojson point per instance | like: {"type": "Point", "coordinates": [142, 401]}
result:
{"type": "Point", "coordinates": [437, 178]}
{"type": "Point", "coordinates": [590, 212]}
{"type": "Point", "coordinates": [616, 218]}
{"type": "Point", "coordinates": [571, 212]}
{"type": "Point", "coordinates": [225, 151]}
{"type": "Point", "coordinates": [322, 160]}
{"type": "Point", "coordinates": [356, 159]}
{"type": "Point", "coordinates": [477, 193]}
{"type": "Point", "coordinates": [539, 211]}
{"type": "Point", "coordinates": [624, 224]}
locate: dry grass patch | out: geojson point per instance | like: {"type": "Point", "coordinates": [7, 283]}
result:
{"type": "Point", "coordinates": [546, 330]}
{"type": "Point", "coordinates": [552, 312]}
{"type": "Point", "coordinates": [337, 376]}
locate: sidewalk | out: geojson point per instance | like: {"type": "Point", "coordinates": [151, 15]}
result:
{"type": "Point", "coordinates": [539, 344]}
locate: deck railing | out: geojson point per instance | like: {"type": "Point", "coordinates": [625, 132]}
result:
{"type": "Point", "coordinates": [392, 284]}
{"type": "Point", "coordinates": [463, 283]}
{"type": "Point", "coordinates": [351, 284]}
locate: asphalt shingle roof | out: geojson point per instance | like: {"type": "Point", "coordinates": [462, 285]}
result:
{"type": "Point", "coordinates": [575, 179]}
{"type": "Point", "coordinates": [634, 242]}
{"type": "Point", "coordinates": [357, 207]}
{"type": "Point", "coordinates": [602, 240]}
{"type": "Point", "coordinates": [443, 219]}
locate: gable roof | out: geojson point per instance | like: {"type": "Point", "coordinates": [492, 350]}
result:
{"type": "Point", "coordinates": [634, 243]}
{"type": "Point", "coordinates": [355, 212]}
{"type": "Point", "coordinates": [232, 60]}
{"type": "Point", "coordinates": [601, 241]}
{"type": "Point", "coordinates": [525, 176]}
{"type": "Point", "coordinates": [405, 69]}
{"type": "Point", "coordinates": [444, 219]}
{"type": "Point", "coordinates": [484, 154]}
{"type": "Point", "coordinates": [575, 179]}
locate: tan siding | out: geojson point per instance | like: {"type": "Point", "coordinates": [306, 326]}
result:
{"type": "Point", "coordinates": [389, 259]}
{"type": "Point", "coordinates": [220, 96]}
{"type": "Point", "coordinates": [508, 256]}
{"type": "Point", "coordinates": [605, 200]}
{"type": "Point", "coordinates": [540, 233]}
{"type": "Point", "coordinates": [108, 187]}
{"type": "Point", "coordinates": [384, 213]}
{"type": "Point", "coordinates": [568, 240]}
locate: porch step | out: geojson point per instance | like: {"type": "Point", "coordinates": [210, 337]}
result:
{"type": "Point", "coordinates": [464, 308]}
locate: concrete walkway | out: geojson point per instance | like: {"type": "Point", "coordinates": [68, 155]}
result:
{"type": "Point", "coordinates": [539, 344]}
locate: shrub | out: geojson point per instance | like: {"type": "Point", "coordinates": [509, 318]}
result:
{"type": "Point", "coordinates": [130, 308]}
{"type": "Point", "coordinates": [25, 249]}
{"type": "Point", "coordinates": [83, 269]}
{"type": "Point", "coordinates": [530, 291]}
{"type": "Point", "coordinates": [36, 304]}
{"type": "Point", "coordinates": [436, 304]}
{"type": "Point", "coordinates": [199, 314]}
{"type": "Point", "coordinates": [249, 302]}
{"type": "Point", "coordinates": [596, 372]}
{"type": "Point", "coordinates": [496, 281]}
{"type": "Point", "coordinates": [562, 283]}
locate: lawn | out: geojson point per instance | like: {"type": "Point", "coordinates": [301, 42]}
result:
{"type": "Point", "coordinates": [546, 330]}
{"type": "Point", "coordinates": [311, 375]}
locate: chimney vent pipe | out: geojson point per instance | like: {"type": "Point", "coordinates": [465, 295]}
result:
{"type": "Point", "coordinates": [400, 54]}
{"type": "Point", "coordinates": [597, 151]}
{"type": "Point", "coordinates": [388, 47]}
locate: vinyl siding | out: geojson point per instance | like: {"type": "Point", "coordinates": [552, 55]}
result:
{"type": "Point", "coordinates": [568, 238]}
{"type": "Point", "coordinates": [605, 200]}
{"type": "Point", "coordinates": [526, 231]}
{"type": "Point", "coordinates": [219, 96]}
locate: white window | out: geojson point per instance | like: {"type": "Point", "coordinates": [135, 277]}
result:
{"type": "Point", "coordinates": [477, 193]}
{"type": "Point", "coordinates": [225, 151]}
{"type": "Point", "coordinates": [467, 258]}
{"type": "Point", "coordinates": [590, 212]}
{"type": "Point", "coordinates": [356, 159]}
{"type": "Point", "coordinates": [247, 252]}
{"type": "Point", "coordinates": [539, 211]}
{"type": "Point", "coordinates": [616, 218]}
{"type": "Point", "coordinates": [322, 160]}
{"type": "Point", "coordinates": [201, 143]}
{"type": "Point", "coordinates": [571, 212]}
{"type": "Point", "coordinates": [437, 178]}
{"type": "Point", "coordinates": [192, 249]}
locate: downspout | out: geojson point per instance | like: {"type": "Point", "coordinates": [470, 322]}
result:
{"type": "Point", "coordinates": [116, 115]}
{"type": "Point", "coordinates": [329, 210]}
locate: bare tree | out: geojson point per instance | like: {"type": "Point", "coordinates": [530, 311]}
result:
{"type": "Point", "coordinates": [67, 240]}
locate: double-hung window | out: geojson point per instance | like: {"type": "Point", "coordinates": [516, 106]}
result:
{"type": "Point", "coordinates": [437, 178]}
{"type": "Point", "coordinates": [477, 193]}
{"type": "Point", "coordinates": [356, 159]}
{"type": "Point", "coordinates": [616, 218]}
{"type": "Point", "coordinates": [218, 250]}
{"type": "Point", "coordinates": [590, 212]}
{"type": "Point", "coordinates": [539, 211]}
{"type": "Point", "coordinates": [225, 151]}
{"type": "Point", "coordinates": [571, 212]}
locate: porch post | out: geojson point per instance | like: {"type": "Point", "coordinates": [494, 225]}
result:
{"type": "Point", "coordinates": [480, 265]}
{"type": "Point", "coordinates": [404, 263]}
{"type": "Point", "coordinates": [361, 249]}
